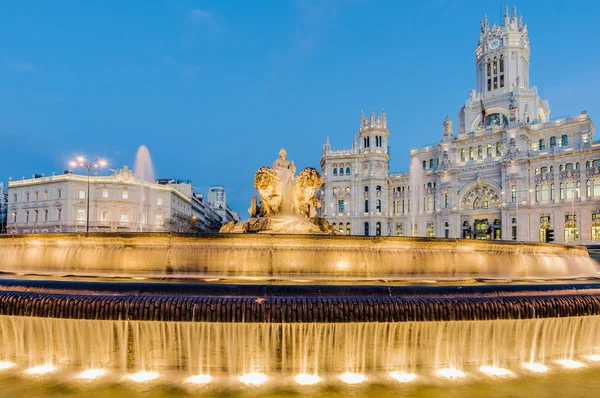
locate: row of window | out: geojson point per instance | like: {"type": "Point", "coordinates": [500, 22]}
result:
{"type": "Point", "coordinates": [495, 69]}
{"type": "Point", "coordinates": [480, 148]}
{"type": "Point", "coordinates": [340, 171]}
{"type": "Point", "coordinates": [35, 216]}
{"type": "Point", "coordinates": [344, 229]}
{"type": "Point", "coordinates": [378, 141]}
{"type": "Point", "coordinates": [564, 141]}
{"type": "Point", "coordinates": [81, 194]}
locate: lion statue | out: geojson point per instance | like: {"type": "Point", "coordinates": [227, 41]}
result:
{"type": "Point", "coordinates": [305, 185]}
{"type": "Point", "coordinates": [268, 185]}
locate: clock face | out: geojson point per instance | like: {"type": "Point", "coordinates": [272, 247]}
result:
{"type": "Point", "coordinates": [494, 44]}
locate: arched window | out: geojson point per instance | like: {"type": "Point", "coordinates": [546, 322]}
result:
{"type": "Point", "coordinates": [335, 171]}
{"type": "Point", "coordinates": [366, 205]}
{"type": "Point", "coordinates": [489, 151]}
{"type": "Point", "coordinates": [596, 227]}
{"type": "Point", "coordinates": [341, 171]}
{"type": "Point", "coordinates": [542, 144]}
{"type": "Point", "coordinates": [366, 229]}
{"type": "Point", "coordinates": [378, 206]}
{"type": "Point", "coordinates": [537, 193]}
{"type": "Point", "coordinates": [489, 68]}
{"type": "Point", "coordinates": [446, 200]}
{"type": "Point", "coordinates": [552, 142]}
{"type": "Point", "coordinates": [495, 65]}
{"type": "Point", "coordinates": [347, 170]}
{"type": "Point", "coordinates": [577, 166]}
{"type": "Point", "coordinates": [498, 149]}
{"type": "Point", "coordinates": [333, 227]}
{"type": "Point", "coordinates": [378, 188]}
{"type": "Point", "coordinates": [561, 167]}
{"type": "Point", "coordinates": [569, 166]}
{"type": "Point", "coordinates": [480, 152]}
{"type": "Point", "coordinates": [471, 153]}
{"type": "Point", "coordinates": [366, 188]}
{"type": "Point", "coordinates": [347, 228]}
{"type": "Point", "coordinates": [513, 191]}
{"type": "Point", "coordinates": [462, 155]}
{"type": "Point", "coordinates": [537, 170]}
{"type": "Point", "coordinates": [565, 140]}
{"type": "Point", "coordinates": [342, 228]}
{"type": "Point", "coordinates": [378, 229]}
{"type": "Point", "coordinates": [496, 119]}
{"type": "Point", "coordinates": [545, 192]}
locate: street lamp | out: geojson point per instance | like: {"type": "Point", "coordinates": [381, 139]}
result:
{"type": "Point", "coordinates": [517, 192]}
{"type": "Point", "coordinates": [94, 164]}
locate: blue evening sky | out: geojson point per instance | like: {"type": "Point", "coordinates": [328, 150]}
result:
{"type": "Point", "coordinates": [216, 88]}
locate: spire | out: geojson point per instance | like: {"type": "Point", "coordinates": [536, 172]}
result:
{"type": "Point", "coordinates": [521, 20]}
{"type": "Point", "coordinates": [506, 16]}
{"type": "Point", "coordinates": [514, 17]}
{"type": "Point", "coordinates": [363, 120]}
{"type": "Point", "coordinates": [372, 116]}
{"type": "Point", "coordinates": [383, 117]}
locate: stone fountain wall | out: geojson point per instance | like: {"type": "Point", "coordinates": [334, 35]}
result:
{"type": "Point", "coordinates": [288, 256]}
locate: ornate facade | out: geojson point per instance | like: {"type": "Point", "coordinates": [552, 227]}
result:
{"type": "Point", "coordinates": [509, 172]}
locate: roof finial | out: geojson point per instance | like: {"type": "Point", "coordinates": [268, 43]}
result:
{"type": "Point", "coordinates": [506, 16]}
{"type": "Point", "coordinates": [514, 18]}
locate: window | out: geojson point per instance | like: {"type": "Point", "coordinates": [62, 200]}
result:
{"type": "Point", "coordinates": [58, 214]}
{"type": "Point", "coordinates": [446, 200]}
{"type": "Point", "coordinates": [501, 63]}
{"type": "Point", "coordinates": [81, 194]}
{"type": "Point", "coordinates": [545, 192]}
{"type": "Point", "coordinates": [462, 155]}
{"type": "Point", "coordinates": [366, 142]}
{"type": "Point", "coordinates": [366, 229]}
{"type": "Point", "coordinates": [489, 85]}
{"type": "Point", "coordinates": [378, 189]}
{"type": "Point", "coordinates": [542, 144]}
{"type": "Point", "coordinates": [366, 188]}
{"type": "Point", "coordinates": [399, 230]}
{"type": "Point", "coordinates": [596, 187]}
{"type": "Point", "coordinates": [104, 216]}
{"type": "Point", "coordinates": [489, 68]}
{"type": "Point", "coordinates": [347, 170]}
{"type": "Point", "coordinates": [15, 197]}
{"type": "Point", "coordinates": [480, 152]}
{"type": "Point", "coordinates": [489, 150]}
{"type": "Point", "coordinates": [366, 205]}
{"type": "Point", "coordinates": [571, 229]}
{"type": "Point", "coordinates": [342, 228]}
{"type": "Point", "coordinates": [125, 194]}
{"type": "Point", "coordinates": [26, 196]}
{"type": "Point", "coordinates": [158, 220]}
{"type": "Point", "coordinates": [37, 196]}
{"type": "Point", "coordinates": [59, 193]}
{"type": "Point", "coordinates": [340, 206]}
{"type": "Point", "coordinates": [45, 195]}
{"type": "Point", "coordinates": [565, 140]}
{"type": "Point", "coordinates": [495, 82]}
{"type": "Point", "coordinates": [124, 216]}
{"type": "Point", "coordinates": [378, 206]}
{"type": "Point", "coordinates": [596, 226]}
{"type": "Point", "coordinates": [552, 142]}
{"type": "Point", "coordinates": [348, 228]}
{"type": "Point", "coordinates": [496, 119]}
{"type": "Point", "coordinates": [81, 215]}
{"type": "Point", "coordinates": [514, 232]}
{"type": "Point", "coordinates": [378, 229]}
{"type": "Point", "coordinates": [471, 153]}
{"type": "Point", "coordinates": [513, 192]}
{"type": "Point", "coordinates": [45, 215]}
{"type": "Point", "coordinates": [501, 80]}
{"type": "Point", "coordinates": [35, 216]}
{"type": "Point", "coordinates": [159, 201]}
{"type": "Point", "coordinates": [495, 65]}
{"type": "Point", "coordinates": [27, 216]}
{"type": "Point", "coordinates": [105, 193]}
{"type": "Point", "coordinates": [424, 165]}
{"type": "Point", "coordinates": [335, 171]}
{"type": "Point", "coordinates": [14, 216]}
{"type": "Point", "coordinates": [480, 203]}
{"type": "Point", "coordinates": [498, 149]}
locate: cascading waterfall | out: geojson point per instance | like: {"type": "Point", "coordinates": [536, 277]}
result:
{"type": "Point", "coordinates": [315, 348]}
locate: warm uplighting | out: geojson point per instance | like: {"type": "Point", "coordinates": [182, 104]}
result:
{"type": "Point", "coordinates": [450, 373]}
{"type": "Point", "coordinates": [495, 371]}
{"type": "Point", "coordinates": [307, 379]}
{"type": "Point", "coordinates": [6, 365]}
{"type": "Point", "coordinates": [570, 364]}
{"type": "Point", "coordinates": [91, 374]}
{"type": "Point", "coordinates": [353, 378]}
{"type": "Point", "coordinates": [593, 358]}
{"type": "Point", "coordinates": [403, 377]}
{"type": "Point", "coordinates": [535, 367]}
{"type": "Point", "coordinates": [253, 379]}
{"type": "Point", "coordinates": [80, 159]}
{"type": "Point", "coordinates": [142, 377]}
{"type": "Point", "coordinates": [199, 379]}
{"type": "Point", "coordinates": [40, 370]}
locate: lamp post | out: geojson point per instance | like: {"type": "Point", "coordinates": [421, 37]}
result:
{"type": "Point", "coordinates": [94, 164]}
{"type": "Point", "coordinates": [517, 192]}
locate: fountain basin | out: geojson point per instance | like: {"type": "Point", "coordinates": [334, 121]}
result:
{"type": "Point", "coordinates": [289, 256]}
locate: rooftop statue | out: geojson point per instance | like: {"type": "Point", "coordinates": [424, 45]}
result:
{"type": "Point", "coordinates": [287, 202]}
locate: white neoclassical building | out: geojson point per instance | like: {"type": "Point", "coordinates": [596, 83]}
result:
{"type": "Point", "coordinates": [117, 203]}
{"type": "Point", "coordinates": [510, 172]}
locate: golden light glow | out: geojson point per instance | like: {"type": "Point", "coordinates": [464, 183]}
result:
{"type": "Point", "coordinates": [307, 379]}
{"type": "Point", "coordinates": [403, 377]}
{"type": "Point", "coordinates": [353, 378]}
{"type": "Point", "coordinates": [80, 159]}
{"type": "Point", "coordinates": [199, 379]}
{"type": "Point", "coordinates": [495, 371]}
{"type": "Point", "coordinates": [6, 365]}
{"type": "Point", "coordinates": [253, 378]}
{"type": "Point", "coordinates": [91, 374]}
{"type": "Point", "coordinates": [593, 358]}
{"type": "Point", "coordinates": [142, 377]}
{"type": "Point", "coordinates": [536, 367]}
{"type": "Point", "coordinates": [40, 370]}
{"type": "Point", "coordinates": [450, 373]}
{"type": "Point", "coordinates": [570, 364]}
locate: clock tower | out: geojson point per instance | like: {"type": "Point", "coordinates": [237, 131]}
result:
{"type": "Point", "coordinates": [502, 56]}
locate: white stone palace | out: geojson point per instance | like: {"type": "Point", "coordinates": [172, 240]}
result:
{"type": "Point", "coordinates": [117, 203]}
{"type": "Point", "coordinates": [510, 172]}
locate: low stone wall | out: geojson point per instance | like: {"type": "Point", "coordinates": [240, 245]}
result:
{"type": "Point", "coordinates": [288, 256]}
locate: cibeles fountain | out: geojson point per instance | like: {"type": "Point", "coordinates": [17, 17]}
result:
{"type": "Point", "coordinates": [281, 302]}
{"type": "Point", "coordinates": [287, 202]}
